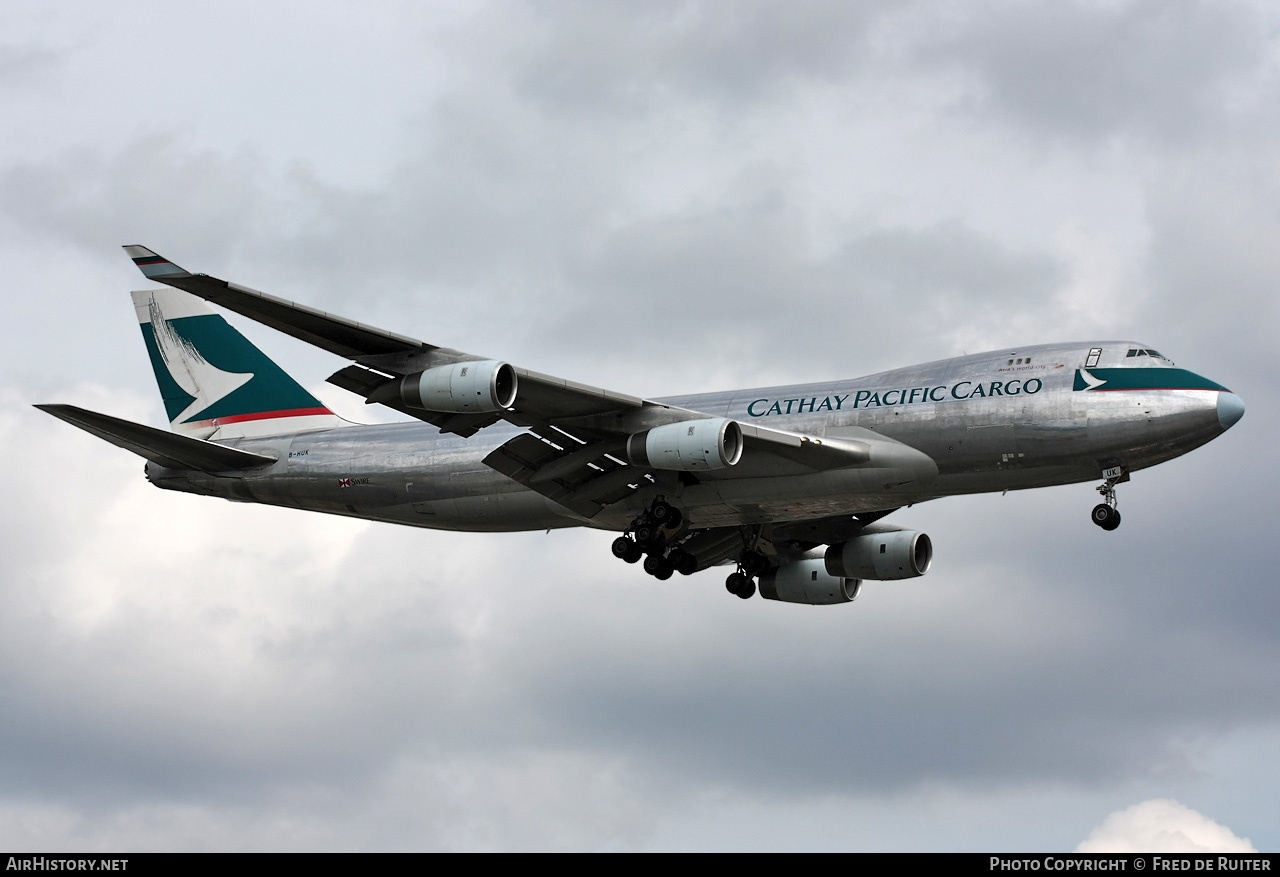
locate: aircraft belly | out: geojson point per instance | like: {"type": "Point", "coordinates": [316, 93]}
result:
{"type": "Point", "coordinates": [820, 494]}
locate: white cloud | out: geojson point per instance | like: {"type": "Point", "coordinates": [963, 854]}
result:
{"type": "Point", "coordinates": [1162, 825]}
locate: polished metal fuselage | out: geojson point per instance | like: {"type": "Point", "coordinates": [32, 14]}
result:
{"type": "Point", "coordinates": [990, 422]}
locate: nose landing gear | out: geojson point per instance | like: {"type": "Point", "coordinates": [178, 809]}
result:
{"type": "Point", "coordinates": [1105, 514]}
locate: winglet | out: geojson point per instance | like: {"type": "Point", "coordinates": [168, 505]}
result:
{"type": "Point", "coordinates": [152, 264]}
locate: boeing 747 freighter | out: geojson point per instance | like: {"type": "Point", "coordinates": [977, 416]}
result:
{"type": "Point", "coordinates": [788, 485]}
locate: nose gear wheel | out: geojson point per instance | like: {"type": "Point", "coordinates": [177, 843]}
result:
{"type": "Point", "coordinates": [1106, 514]}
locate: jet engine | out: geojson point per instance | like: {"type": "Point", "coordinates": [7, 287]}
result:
{"type": "Point", "coordinates": [807, 581]}
{"type": "Point", "coordinates": [461, 388]}
{"type": "Point", "coordinates": [881, 555]}
{"type": "Point", "coordinates": [687, 446]}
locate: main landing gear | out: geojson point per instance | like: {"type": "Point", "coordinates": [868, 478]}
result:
{"type": "Point", "coordinates": [1105, 514]}
{"type": "Point", "coordinates": [741, 582]}
{"type": "Point", "coordinates": [649, 535]}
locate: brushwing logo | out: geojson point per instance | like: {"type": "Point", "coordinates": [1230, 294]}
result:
{"type": "Point", "coordinates": [198, 378]}
{"type": "Point", "coordinates": [1090, 382]}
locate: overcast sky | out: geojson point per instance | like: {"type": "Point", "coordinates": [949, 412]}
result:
{"type": "Point", "coordinates": [658, 198]}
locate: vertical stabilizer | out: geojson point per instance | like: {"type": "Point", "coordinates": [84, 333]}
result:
{"type": "Point", "coordinates": [214, 382]}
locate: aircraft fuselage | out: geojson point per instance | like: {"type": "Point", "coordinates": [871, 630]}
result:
{"type": "Point", "coordinates": [1039, 416]}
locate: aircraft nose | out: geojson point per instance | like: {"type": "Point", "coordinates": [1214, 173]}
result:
{"type": "Point", "coordinates": [1230, 409]}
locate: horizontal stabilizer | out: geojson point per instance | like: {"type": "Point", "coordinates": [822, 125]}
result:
{"type": "Point", "coordinates": [164, 448]}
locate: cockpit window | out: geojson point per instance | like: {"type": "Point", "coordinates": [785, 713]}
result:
{"type": "Point", "coordinates": [1137, 351]}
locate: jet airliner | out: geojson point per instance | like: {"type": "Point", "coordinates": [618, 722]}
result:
{"type": "Point", "coordinates": [788, 486]}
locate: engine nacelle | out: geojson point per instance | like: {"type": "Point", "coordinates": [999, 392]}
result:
{"type": "Point", "coordinates": [687, 446]}
{"type": "Point", "coordinates": [807, 581]}
{"type": "Point", "coordinates": [461, 388]}
{"type": "Point", "coordinates": [882, 555]}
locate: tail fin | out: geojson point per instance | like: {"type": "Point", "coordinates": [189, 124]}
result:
{"type": "Point", "coordinates": [214, 382]}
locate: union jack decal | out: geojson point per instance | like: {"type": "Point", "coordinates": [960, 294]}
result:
{"type": "Point", "coordinates": [344, 482]}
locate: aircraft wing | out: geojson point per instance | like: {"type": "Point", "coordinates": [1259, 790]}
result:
{"type": "Point", "coordinates": [575, 452]}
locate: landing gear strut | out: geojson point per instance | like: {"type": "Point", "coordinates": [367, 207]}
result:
{"type": "Point", "coordinates": [1105, 514]}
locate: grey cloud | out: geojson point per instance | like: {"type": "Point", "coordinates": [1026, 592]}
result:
{"type": "Point", "coordinates": [24, 65]}
{"type": "Point", "coordinates": [97, 200]}
{"type": "Point", "coordinates": [735, 284]}
{"type": "Point", "coordinates": [1081, 70]}
{"type": "Point", "coordinates": [615, 58]}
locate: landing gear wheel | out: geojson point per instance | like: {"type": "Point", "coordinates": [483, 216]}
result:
{"type": "Point", "coordinates": [1105, 516]}
{"type": "Point", "coordinates": [658, 566]}
{"type": "Point", "coordinates": [665, 514]}
{"type": "Point", "coordinates": [738, 584]}
{"type": "Point", "coordinates": [646, 534]}
{"type": "Point", "coordinates": [626, 549]}
{"type": "Point", "coordinates": [683, 562]}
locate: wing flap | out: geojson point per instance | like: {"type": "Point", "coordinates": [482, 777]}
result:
{"type": "Point", "coordinates": [167, 449]}
{"type": "Point", "coordinates": [584, 478]}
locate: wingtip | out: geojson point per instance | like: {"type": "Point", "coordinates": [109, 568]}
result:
{"type": "Point", "coordinates": [151, 263]}
{"type": "Point", "coordinates": [58, 410]}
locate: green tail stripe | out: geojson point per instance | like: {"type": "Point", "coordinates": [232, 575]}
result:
{"type": "Point", "coordinates": [270, 389]}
